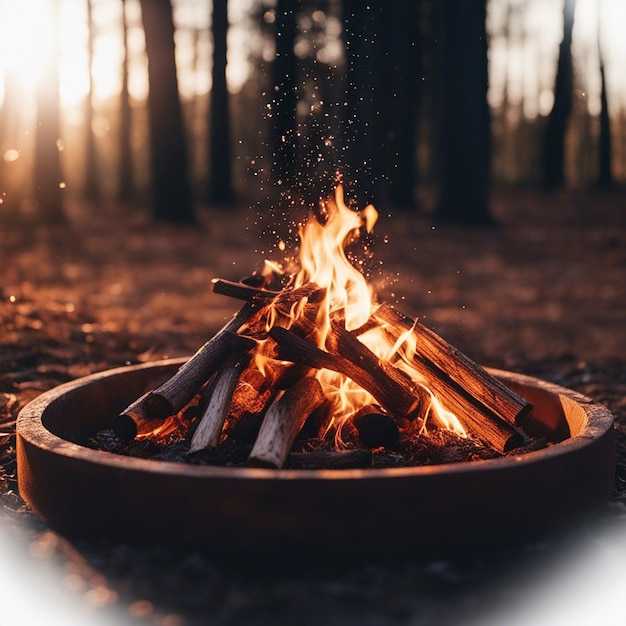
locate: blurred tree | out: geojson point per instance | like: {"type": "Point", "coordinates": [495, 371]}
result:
{"type": "Point", "coordinates": [169, 161]}
{"type": "Point", "coordinates": [605, 173]}
{"type": "Point", "coordinates": [382, 72]}
{"type": "Point", "coordinates": [92, 183]}
{"type": "Point", "coordinates": [363, 130]}
{"type": "Point", "coordinates": [284, 100]}
{"type": "Point", "coordinates": [320, 95]}
{"type": "Point", "coordinates": [463, 118]}
{"type": "Point", "coordinates": [126, 183]}
{"type": "Point", "coordinates": [554, 143]}
{"type": "Point", "coordinates": [47, 175]}
{"type": "Point", "coordinates": [220, 177]}
{"type": "Point", "coordinates": [9, 199]}
{"type": "Point", "coordinates": [399, 99]}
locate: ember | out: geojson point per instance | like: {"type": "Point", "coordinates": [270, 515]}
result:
{"type": "Point", "coordinates": [319, 374]}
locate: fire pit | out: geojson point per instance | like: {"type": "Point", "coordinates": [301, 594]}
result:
{"type": "Point", "coordinates": [335, 513]}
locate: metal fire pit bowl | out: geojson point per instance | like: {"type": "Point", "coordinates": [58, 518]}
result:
{"type": "Point", "coordinates": [247, 511]}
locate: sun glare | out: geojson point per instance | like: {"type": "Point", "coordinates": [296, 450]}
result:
{"type": "Point", "coordinates": [523, 49]}
{"type": "Point", "coordinates": [24, 39]}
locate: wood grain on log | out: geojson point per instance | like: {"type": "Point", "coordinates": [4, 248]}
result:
{"type": "Point", "coordinates": [283, 421]}
{"type": "Point", "coordinates": [330, 459]}
{"type": "Point", "coordinates": [241, 291]}
{"type": "Point", "coordinates": [388, 385]}
{"type": "Point", "coordinates": [480, 401]}
{"type": "Point", "coordinates": [208, 431]}
{"type": "Point", "coordinates": [451, 367]}
{"type": "Point", "coordinates": [176, 392]}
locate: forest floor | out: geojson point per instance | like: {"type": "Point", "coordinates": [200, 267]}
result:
{"type": "Point", "coordinates": [543, 294]}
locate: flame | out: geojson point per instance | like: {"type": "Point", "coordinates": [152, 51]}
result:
{"type": "Point", "coordinates": [339, 291]}
{"type": "Point", "coordinates": [322, 260]}
{"type": "Point", "coordinates": [174, 428]}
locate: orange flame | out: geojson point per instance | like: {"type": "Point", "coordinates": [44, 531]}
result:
{"type": "Point", "coordinates": [322, 260]}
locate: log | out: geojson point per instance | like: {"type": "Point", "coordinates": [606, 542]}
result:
{"type": "Point", "coordinates": [393, 393]}
{"type": "Point", "coordinates": [175, 393]}
{"type": "Point", "coordinates": [388, 385]}
{"type": "Point", "coordinates": [283, 421]}
{"type": "Point", "coordinates": [376, 428]}
{"type": "Point", "coordinates": [480, 401]}
{"type": "Point", "coordinates": [456, 369]}
{"type": "Point", "coordinates": [318, 422]}
{"type": "Point", "coordinates": [330, 459]}
{"type": "Point", "coordinates": [208, 431]}
{"type": "Point", "coordinates": [242, 291]}
{"type": "Point", "coordinates": [127, 424]}
{"type": "Point", "coordinates": [136, 420]}
{"type": "Point", "coordinates": [278, 310]}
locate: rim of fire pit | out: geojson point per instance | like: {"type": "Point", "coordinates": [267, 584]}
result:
{"type": "Point", "coordinates": [430, 510]}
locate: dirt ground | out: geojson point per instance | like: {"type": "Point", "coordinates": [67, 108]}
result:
{"type": "Point", "coordinates": [543, 294]}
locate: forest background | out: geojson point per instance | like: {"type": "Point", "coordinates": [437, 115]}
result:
{"type": "Point", "coordinates": [421, 106]}
{"type": "Point", "coordinates": [144, 145]}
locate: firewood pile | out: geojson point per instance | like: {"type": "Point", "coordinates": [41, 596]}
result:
{"type": "Point", "coordinates": [315, 374]}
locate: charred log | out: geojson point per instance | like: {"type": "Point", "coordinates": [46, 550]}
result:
{"type": "Point", "coordinates": [386, 384]}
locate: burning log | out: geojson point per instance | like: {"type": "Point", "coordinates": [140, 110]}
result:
{"type": "Point", "coordinates": [174, 394]}
{"type": "Point", "coordinates": [283, 421]}
{"type": "Point", "coordinates": [389, 386]}
{"type": "Point", "coordinates": [489, 408]}
{"type": "Point", "coordinates": [133, 420]}
{"type": "Point", "coordinates": [479, 400]}
{"type": "Point", "coordinates": [208, 431]}
{"type": "Point", "coordinates": [385, 383]}
{"type": "Point", "coordinates": [376, 428]}
{"type": "Point", "coordinates": [241, 291]}
{"type": "Point", "coordinates": [323, 325]}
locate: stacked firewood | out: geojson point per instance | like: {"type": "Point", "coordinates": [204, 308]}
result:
{"type": "Point", "coordinates": [265, 364]}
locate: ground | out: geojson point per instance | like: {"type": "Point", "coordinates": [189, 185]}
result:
{"type": "Point", "coordinates": [543, 294]}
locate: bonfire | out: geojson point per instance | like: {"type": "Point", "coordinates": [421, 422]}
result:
{"type": "Point", "coordinates": [314, 371]}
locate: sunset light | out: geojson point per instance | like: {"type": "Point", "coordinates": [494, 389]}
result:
{"type": "Point", "coordinates": [523, 40]}
{"type": "Point", "coordinates": [24, 39]}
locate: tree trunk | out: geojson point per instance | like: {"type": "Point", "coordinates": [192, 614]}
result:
{"type": "Point", "coordinates": [92, 186]}
{"type": "Point", "coordinates": [221, 190]}
{"type": "Point", "coordinates": [47, 168]}
{"type": "Point", "coordinates": [463, 127]}
{"type": "Point", "coordinates": [554, 146]}
{"type": "Point", "coordinates": [11, 187]}
{"type": "Point", "coordinates": [284, 97]}
{"type": "Point", "coordinates": [126, 179]}
{"type": "Point", "coordinates": [363, 129]}
{"type": "Point", "coordinates": [169, 168]}
{"type": "Point", "coordinates": [399, 101]}
{"type": "Point", "coordinates": [605, 173]}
